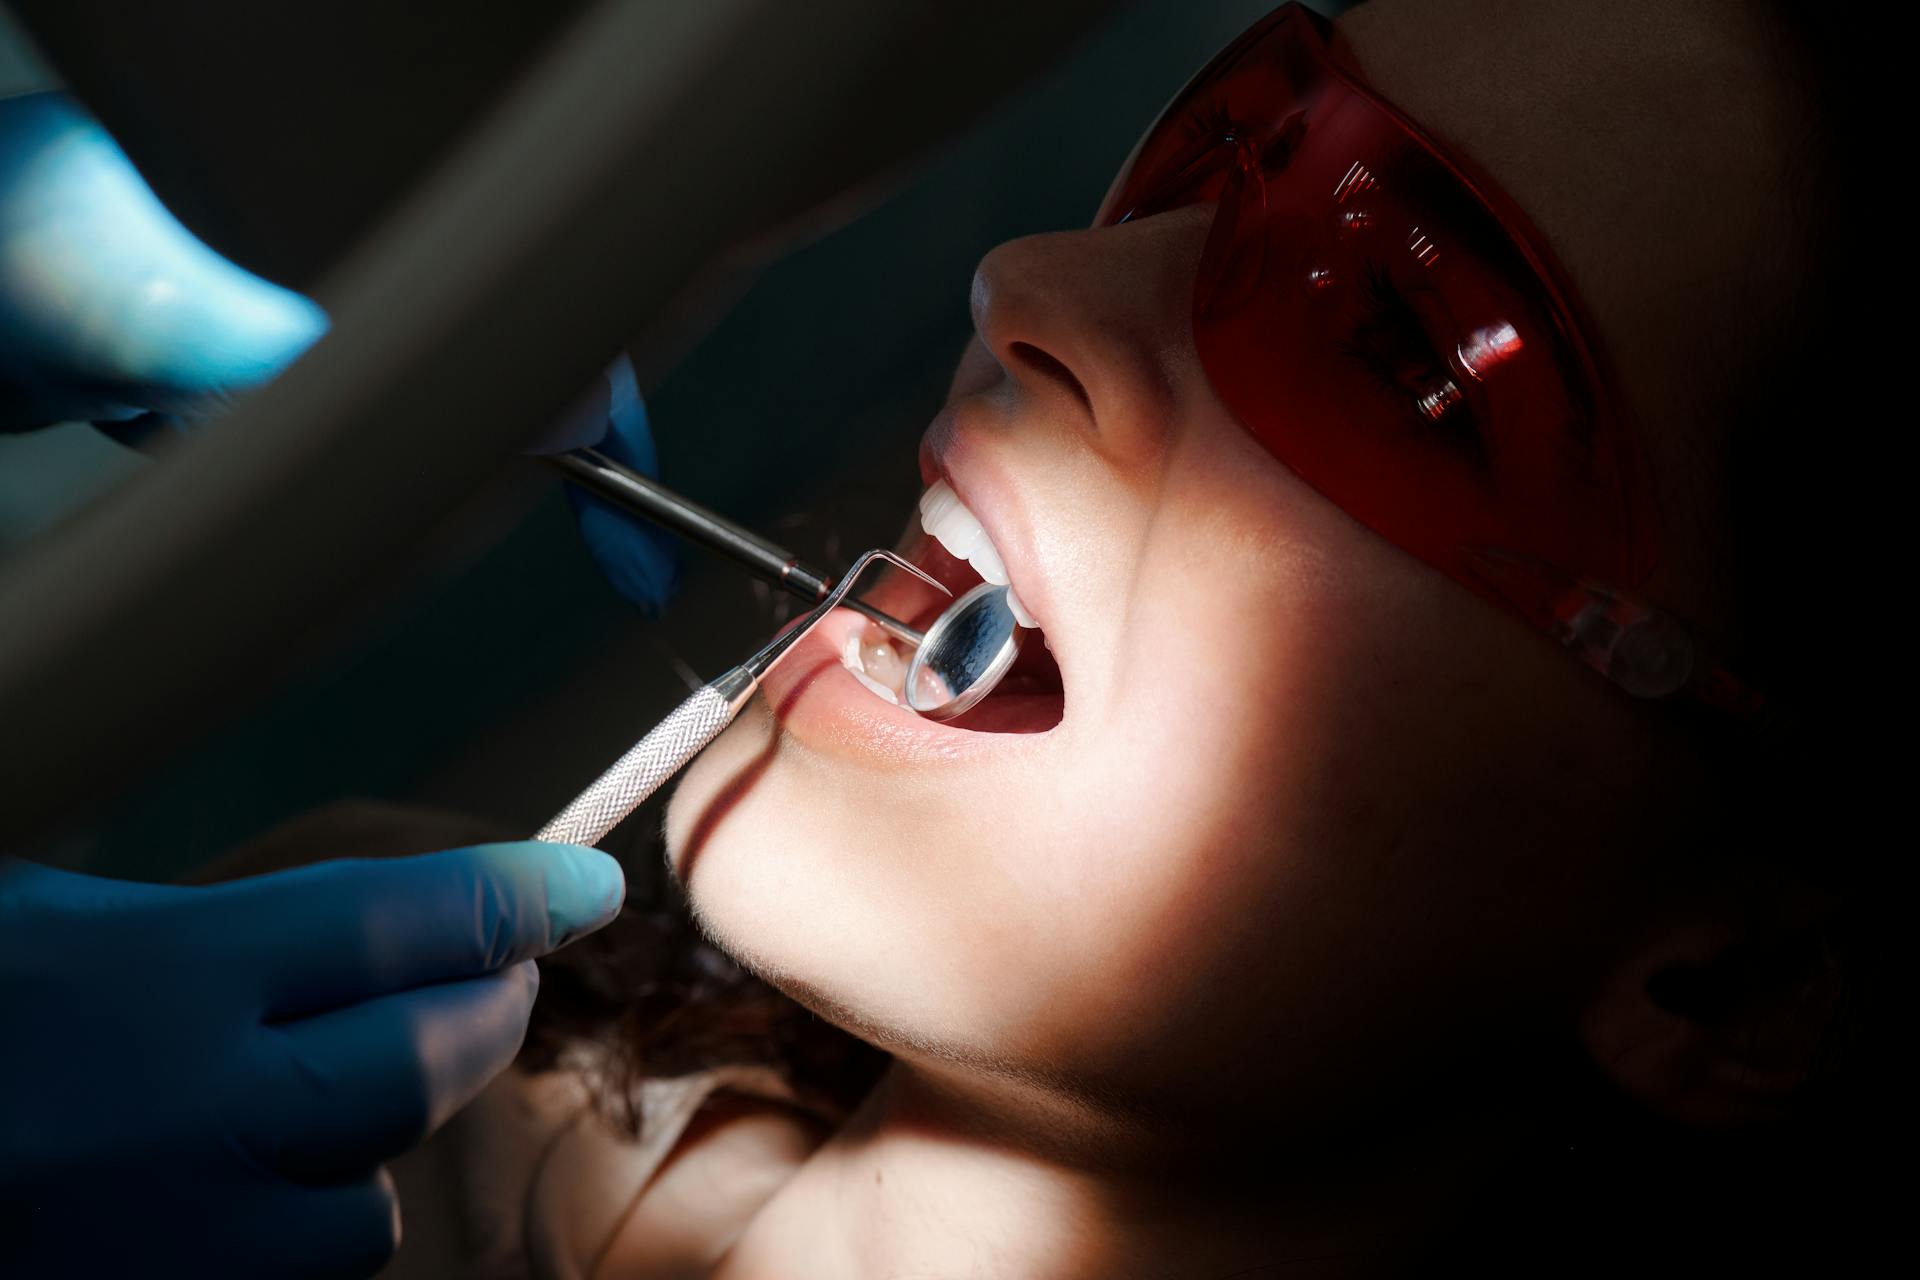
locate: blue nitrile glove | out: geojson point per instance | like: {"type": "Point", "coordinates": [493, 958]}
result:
{"type": "Point", "coordinates": [206, 1081]}
{"type": "Point", "coordinates": [110, 310]}
{"type": "Point", "coordinates": [637, 558]}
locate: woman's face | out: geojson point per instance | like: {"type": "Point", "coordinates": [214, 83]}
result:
{"type": "Point", "coordinates": [1306, 812]}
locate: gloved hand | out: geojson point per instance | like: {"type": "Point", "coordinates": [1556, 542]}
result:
{"type": "Point", "coordinates": [205, 1081]}
{"type": "Point", "coordinates": [110, 310]}
{"type": "Point", "coordinates": [637, 558]}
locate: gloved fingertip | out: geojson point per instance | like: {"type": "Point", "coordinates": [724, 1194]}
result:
{"type": "Point", "coordinates": [584, 887]}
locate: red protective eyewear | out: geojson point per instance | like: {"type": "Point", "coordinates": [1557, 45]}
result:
{"type": "Point", "coordinates": [1393, 330]}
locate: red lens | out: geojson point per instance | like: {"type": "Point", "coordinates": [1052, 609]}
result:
{"type": "Point", "coordinates": [1385, 324]}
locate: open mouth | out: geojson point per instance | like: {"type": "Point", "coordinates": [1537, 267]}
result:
{"type": "Point", "coordinates": [952, 546]}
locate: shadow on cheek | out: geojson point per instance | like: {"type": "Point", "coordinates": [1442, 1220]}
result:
{"type": "Point", "coordinates": [729, 796]}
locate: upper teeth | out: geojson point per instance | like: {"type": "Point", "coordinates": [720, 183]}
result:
{"type": "Point", "coordinates": [947, 519]}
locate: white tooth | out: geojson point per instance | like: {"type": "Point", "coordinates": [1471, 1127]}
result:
{"type": "Point", "coordinates": [881, 660]}
{"type": "Point", "coordinates": [946, 519]}
{"type": "Point", "coordinates": [938, 506]}
{"type": "Point", "coordinates": [934, 501]}
{"type": "Point", "coordinates": [960, 542]}
{"type": "Point", "coordinates": [852, 659]}
{"type": "Point", "coordinates": [1020, 614]}
{"type": "Point", "coordinates": [987, 563]}
{"type": "Point", "coordinates": [876, 687]}
{"type": "Point", "coordinates": [956, 529]}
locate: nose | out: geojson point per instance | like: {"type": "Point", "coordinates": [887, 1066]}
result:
{"type": "Point", "coordinates": [1094, 326]}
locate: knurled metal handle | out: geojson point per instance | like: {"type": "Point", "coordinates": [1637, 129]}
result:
{"type": "Point", "coordinates": [641, 771]}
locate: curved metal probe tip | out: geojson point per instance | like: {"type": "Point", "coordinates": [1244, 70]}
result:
{"type": "Point", "coordinates": [762, 662]}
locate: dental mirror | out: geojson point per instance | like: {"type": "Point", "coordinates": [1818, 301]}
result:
{"type": "Point", "coordinates": [954, 665]}
{"type": "Point", "coordinates": [964, 655]}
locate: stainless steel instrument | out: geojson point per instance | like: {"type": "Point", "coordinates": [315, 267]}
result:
{"type": "Point", "coordinates": [649, 499]}
{"type": "Point", "coordinates": [696, 722]}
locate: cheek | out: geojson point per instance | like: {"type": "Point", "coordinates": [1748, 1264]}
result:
{"type": "Point", "coordinates": [1245, 761]}
{"type": "Point", "coordinates": [1306, 803]}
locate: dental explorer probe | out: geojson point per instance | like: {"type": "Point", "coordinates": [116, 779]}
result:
{"type": "Point", "coordinates": [628, 489]}
{"type": "Point", "coordinates": [696, 722]}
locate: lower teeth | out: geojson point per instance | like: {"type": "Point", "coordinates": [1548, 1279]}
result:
{"type": "Point", "coordinates": [876, 687]}
{"type": "Point", "coordinates": [876, 664]}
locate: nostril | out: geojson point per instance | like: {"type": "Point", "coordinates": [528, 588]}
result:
{"type": "Point", "coordinates": [1051, 369]}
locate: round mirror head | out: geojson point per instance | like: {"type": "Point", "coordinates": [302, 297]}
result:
{"type": "Point", "coordinates": [966, 652]}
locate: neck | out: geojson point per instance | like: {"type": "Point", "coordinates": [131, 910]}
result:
{"type": "Point", "coordinates": [940, 1174]}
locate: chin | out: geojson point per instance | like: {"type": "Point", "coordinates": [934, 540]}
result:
{"type": "Point", "coordinates": [849, 888]}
